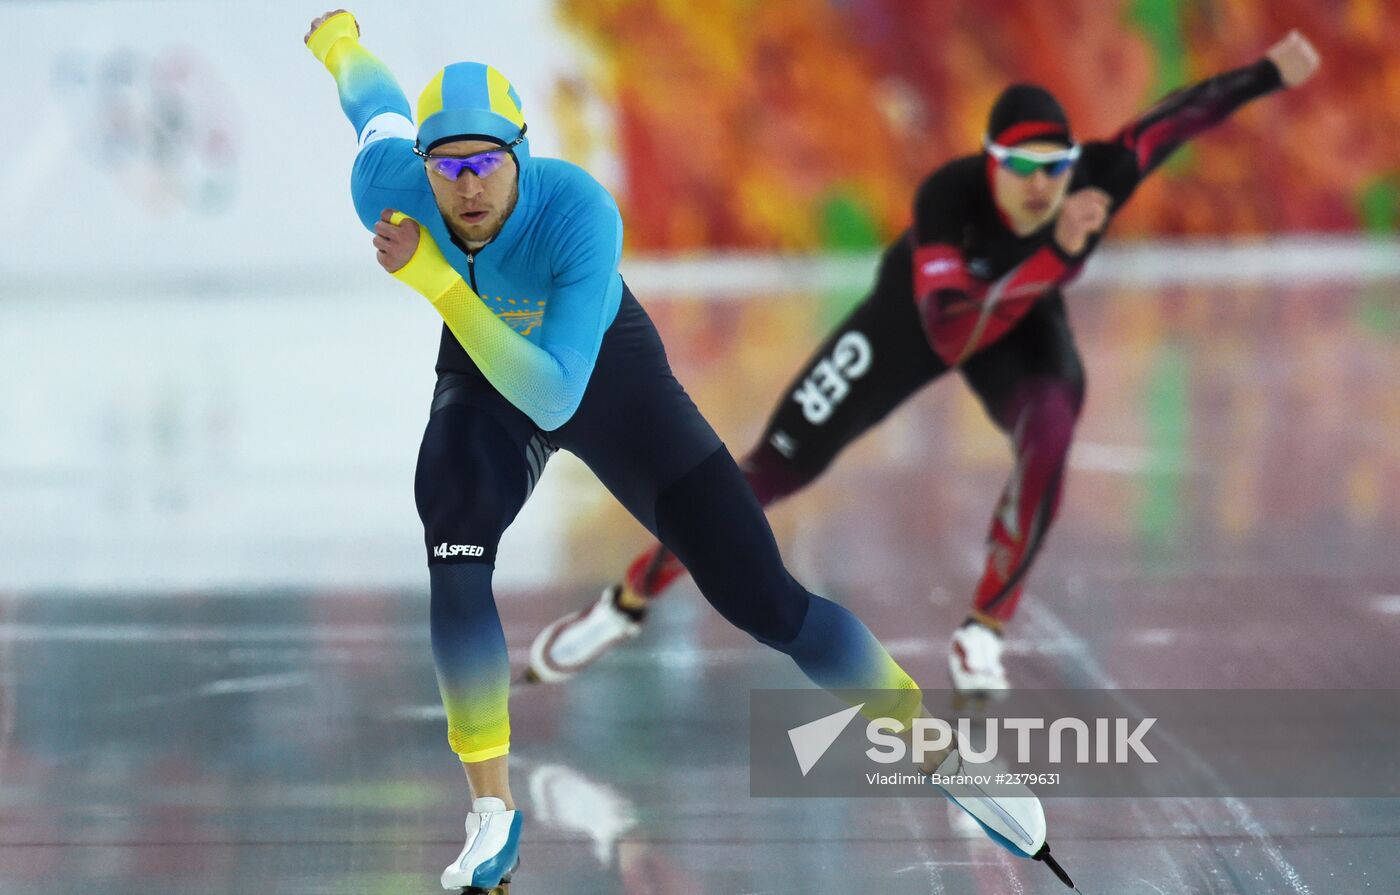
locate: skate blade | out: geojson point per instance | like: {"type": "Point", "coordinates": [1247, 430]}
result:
{"type": "Point", "coordinates": [1048, 860]}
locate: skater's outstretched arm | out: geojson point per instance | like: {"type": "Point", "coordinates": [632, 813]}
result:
{"type": "Point", "coordinates": [1155, 135]}
{"type": "Point", "coordinates": [386, 171]}
{"type": "Point", "coordinates": [368, 92]}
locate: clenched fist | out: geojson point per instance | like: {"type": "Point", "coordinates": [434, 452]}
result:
{"type": "Point", "coordinates": [1083, 214]}
{"type": "Point", "coordinates": [321, 20]}
{"type": "Point", "coordinates": [1295, 57]}
{"type": "Point", "coordinates": [396, 242]}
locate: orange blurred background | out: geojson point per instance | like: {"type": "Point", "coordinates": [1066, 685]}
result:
{"type": "Point", "coordinates": [807, 124]}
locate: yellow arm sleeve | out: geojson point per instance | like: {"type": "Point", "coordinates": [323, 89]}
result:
{"type": "Point", "coordinates": [544, 384]}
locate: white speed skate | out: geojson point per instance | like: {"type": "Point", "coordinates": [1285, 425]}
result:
{"type": "Point", "coordinates": [974, 663]}
{"type": "Point", "coordinates": [1011, 815]}
{"type": "Point", "coordinates": [572, 643]}
{"type": "Point", "coordinates": [492, 851]}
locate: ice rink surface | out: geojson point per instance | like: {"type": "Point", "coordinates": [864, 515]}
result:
{"type": "Point", "coordinates": [1229, 522]}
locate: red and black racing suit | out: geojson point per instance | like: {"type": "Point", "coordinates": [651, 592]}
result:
{"type": "Point", "coordinates": [960, 290]}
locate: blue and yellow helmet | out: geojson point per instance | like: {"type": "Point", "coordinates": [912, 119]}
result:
{"type": "Point", "coordinates": [471, 101]}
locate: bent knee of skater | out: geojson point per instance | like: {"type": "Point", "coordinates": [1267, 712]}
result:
{"type": "Point", "coordinates": [777, 628]}
{"type": "Point", "coordinates": [777, 623]}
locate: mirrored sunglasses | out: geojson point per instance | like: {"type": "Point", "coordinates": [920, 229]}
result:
{"type": "Point", "coordinates": [1025, 162]}
{"type": "Point", "coordinates": [482, 164]}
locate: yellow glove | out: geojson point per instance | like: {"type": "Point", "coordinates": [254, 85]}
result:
{"type": "Point", "coordinates": [338, 27]}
